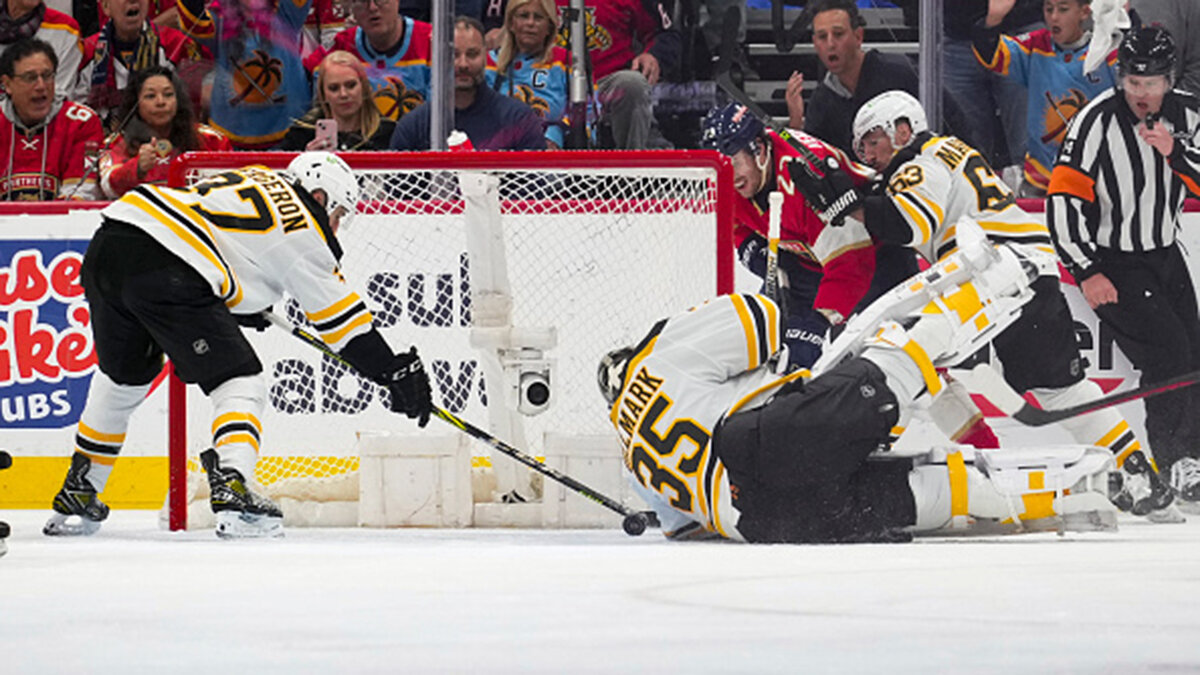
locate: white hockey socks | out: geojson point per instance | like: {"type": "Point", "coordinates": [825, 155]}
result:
{"type": "Point", "coordinates": [236, 430]}
{"type": "Point", "coordinates": [103, 423]}
{"type": "Point", "coordinates": [1106, 428]}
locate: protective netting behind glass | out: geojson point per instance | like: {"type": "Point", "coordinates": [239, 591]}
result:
{"type": "Point", "coordinates": [599, 254]}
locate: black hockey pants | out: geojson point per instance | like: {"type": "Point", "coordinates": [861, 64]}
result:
{"type": "Point", "coordinates": [798, 466]}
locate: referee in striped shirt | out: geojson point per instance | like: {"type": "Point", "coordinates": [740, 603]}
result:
{"type": "Point", "coordinates": [1129, 159]}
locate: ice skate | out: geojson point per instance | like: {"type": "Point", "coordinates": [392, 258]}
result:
{"type": "Point", "coordinates": [1185, 482]}
{"type": "Point", "coordinates": [78, 510]}
{"type": "Point", "coordinates": [1143, 493]}
{"type": "Point", "coordinates": [240, 512]}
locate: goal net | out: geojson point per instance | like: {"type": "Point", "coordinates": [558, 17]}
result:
{"type": "Point", "coordinates": [562, 255]}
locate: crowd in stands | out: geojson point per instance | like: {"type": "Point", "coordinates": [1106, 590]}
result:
{"type": "Point", "coordinates": [261, 74]}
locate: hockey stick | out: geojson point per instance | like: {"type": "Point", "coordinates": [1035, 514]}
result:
{"type": "Point", "coordinates": [985, 380]}
{"type": "Point", "coordinates": [635, 522]}
{"type": "Point", "coordinates": [774, 221]}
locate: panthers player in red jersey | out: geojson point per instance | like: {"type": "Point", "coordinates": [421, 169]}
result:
{"type": "Point", "coordinates": [830, 270]}
{"type": "Point", "coordinates": [175, 271]}
{"type": "Point", "coordinates": [45, 138]}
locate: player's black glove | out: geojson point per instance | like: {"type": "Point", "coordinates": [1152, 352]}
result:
{"type": "Point", "coordinates": [753, 254]}
{"type": "Point", "coordinates": [258, 321]}
{"type": "Point", "coordinates": [409, 386]}
{"type": "Point", "coordinates": [830, 193]}
{"type": "Point", "coordinates": [805, 337]}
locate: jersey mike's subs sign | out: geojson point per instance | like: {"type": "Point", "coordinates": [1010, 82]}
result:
{"type": "Point", "coordinates": [46, 350]}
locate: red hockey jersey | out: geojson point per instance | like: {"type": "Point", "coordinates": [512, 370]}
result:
{"type": "Point", "coordinates": [846, 260]}
{"type": "Point", "coordinates": [49, 161]}
{"type": "Point", "coordinates": [612, 27]}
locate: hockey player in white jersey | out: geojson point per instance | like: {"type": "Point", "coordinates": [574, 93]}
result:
{"type": "Point", "coordinates": [933, 181]}
{"type": "Point", "coordinates": [721, 445]}
{"type": "Point", "coordinates": [175, 271]}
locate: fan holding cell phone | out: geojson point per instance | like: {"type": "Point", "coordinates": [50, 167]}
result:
{"type": "Point", "coordinates": [326, 138]}
{"type": "Point", "coordinates": [343, 116]}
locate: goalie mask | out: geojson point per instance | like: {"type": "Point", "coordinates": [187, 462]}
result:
{"type": "Point", "coordinates": [329, 173]}
{"type": "Point", "coordinates": [610, 374]}
{"type": "Point", "coordinates": [884, 112]}
{"type": "Point", "coordinates": [731, 129]}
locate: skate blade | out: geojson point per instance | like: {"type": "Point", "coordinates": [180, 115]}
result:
{"type": "Point", "coordinates": [1189, 507]}
{"type": "Point", "coordinates": [238, 525]}
{"type": "Point", "coordinates": [1090, 521]}
{"type": "Point", "coordinates": [61, 525]}
{"type": "Point", "coordinates": [1170, 515]}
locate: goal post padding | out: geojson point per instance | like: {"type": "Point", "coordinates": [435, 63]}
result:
{"type": "Point", "coordinates": [597, 245]}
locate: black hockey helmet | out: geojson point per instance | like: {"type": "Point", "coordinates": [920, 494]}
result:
{"type": "Point", "coordinates": [730, 129]}
{"type": "Point", "coordinates": [1147, 51]}
{"type": "Point", "coordinates": [610, 373]}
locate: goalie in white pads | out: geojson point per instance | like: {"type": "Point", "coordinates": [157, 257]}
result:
{"type": "Point", "coordinates": [719, 444]}
{"type": "Point", "coordinates": [176, 271]}
{"type": "Point", "coordinates": [933, 181]}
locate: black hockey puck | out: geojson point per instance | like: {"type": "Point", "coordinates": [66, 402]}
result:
{"type": "Point", "coordinates": [634, 524]}
{"type": "Point", "coordinates": [5, 460]}
{"type": "Point", "coordinates": [4, 530]}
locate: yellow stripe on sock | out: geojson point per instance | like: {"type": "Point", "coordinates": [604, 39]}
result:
{"type": "Point", "coordinates": [93, 435]}
{"type": "Point", "coordinates": [230, 417]}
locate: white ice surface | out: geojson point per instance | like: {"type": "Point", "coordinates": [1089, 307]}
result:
{"type": "Point", "coordinates": [135, 599]}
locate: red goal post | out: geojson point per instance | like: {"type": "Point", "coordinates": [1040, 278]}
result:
{"type": "Point", "coordinates": [597, 246]}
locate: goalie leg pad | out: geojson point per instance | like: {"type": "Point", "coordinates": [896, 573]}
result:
{"type": "Point", "coordinates": [980, 289]}
{"type": "Point", "coordinates": [1008, 491]}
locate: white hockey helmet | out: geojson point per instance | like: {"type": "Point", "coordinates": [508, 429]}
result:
{"type": "Point", "coordinates": [883, 112]}
{"type": "Point", "coordinates": [325, 171]}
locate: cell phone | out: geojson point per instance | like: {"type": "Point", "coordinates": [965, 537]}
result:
{"type": "Point", "coordinates": [327, 133]}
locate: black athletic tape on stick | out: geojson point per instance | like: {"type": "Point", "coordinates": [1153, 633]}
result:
{"type": "Point", "coordinates": [1037, 417]}
{"type": "Point", "coordinates": [635, 522]}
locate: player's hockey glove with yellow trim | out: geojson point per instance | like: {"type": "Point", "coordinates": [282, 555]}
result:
{"type": "Point", "coordinates": [830, 193]}
{"type": "Point", "coordinates": [406, 380]}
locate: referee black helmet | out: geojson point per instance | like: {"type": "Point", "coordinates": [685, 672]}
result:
{"type": "Point", "coordinates": [1147, 51]}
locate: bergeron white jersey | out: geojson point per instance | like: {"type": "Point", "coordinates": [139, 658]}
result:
{"type": "Point", "coordinates": [947, 180]}
{"type": "Point", "coordinates": [251, 235]}
{"type": "Point", "coordinates": [686, 375]}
